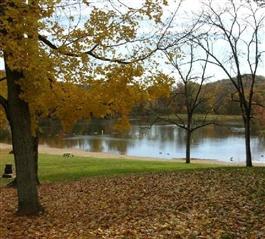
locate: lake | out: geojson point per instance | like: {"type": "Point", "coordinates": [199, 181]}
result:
{"type": "Point", "coordinates": [225, 143]}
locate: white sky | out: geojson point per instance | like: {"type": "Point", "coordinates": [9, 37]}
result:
{"type": "Point", "coordinates": [1, 64]}
{"type": "Point", "coordinates": [195, 7]}
{"type": "Point", "coordinates": [188, 8]}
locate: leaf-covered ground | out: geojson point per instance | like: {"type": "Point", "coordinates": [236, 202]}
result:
{"type": "Point", "coordinates": [213, 203]}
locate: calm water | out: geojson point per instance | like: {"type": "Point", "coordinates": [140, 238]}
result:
{"type": "Point", "coordinates": [168, 141]}
{"type": "Point", "coordinates": [224, 143]}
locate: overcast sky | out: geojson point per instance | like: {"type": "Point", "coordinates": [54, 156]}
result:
{"type": "Point", "coordinates": [189, 7]}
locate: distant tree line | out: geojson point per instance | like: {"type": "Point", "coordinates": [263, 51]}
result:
{"type": "Point", "coordinates": [219, 97]}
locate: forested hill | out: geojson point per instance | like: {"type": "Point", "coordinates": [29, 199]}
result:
{"type": "Point", "coordinates": [218, 97]}
{"type": "Point", "coordinates": [223, 96]}
{"type": "Point", "coordinates": [260, 81]}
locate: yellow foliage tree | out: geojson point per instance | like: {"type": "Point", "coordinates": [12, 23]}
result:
{"type": "Point", "coordinates": [47, 42]}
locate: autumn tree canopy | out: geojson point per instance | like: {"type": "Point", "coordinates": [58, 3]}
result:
{"type": "Point", "coordinates": [65, 58]}
{"type": "Point", "coordinates": [67, 41]}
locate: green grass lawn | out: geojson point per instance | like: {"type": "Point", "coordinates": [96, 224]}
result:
{"type": "Point", "coordinates": [57, 168]}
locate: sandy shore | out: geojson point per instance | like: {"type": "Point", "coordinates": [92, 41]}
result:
{"type": "Point", "coordinates": [44, 149]}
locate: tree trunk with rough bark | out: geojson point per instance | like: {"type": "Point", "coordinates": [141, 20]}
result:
{"type": "Point", "coordinates": [23, 146]}
{"type": "Point", "coordinates": [36, 156]}
{"type": "Point", "coordinates": [13, 184]}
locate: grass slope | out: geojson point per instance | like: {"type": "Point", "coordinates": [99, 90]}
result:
{"type": "Point", "coordinates": [57, 168]}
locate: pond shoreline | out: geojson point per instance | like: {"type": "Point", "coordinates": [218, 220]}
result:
{"type": "Point", "coordinates": [44, 149]}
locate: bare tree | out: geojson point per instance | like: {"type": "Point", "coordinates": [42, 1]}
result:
{"type": "Point", "coordinates": [237, 28]}
{"type": "Point", "coordinates": [190, 91]}
{"type": "Point", "coordinates": [260, 2]}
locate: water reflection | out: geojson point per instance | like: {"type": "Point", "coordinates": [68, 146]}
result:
{"type": "Point", "coordinates": [168, 141]}
{"type": "Point", "coordinates": [159, 141]}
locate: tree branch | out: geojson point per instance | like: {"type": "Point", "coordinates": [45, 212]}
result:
{"type": "Point", "coordinates": [201, 126]}
{"type": "Point", "coordinates": [93, 54]}
{"type": "Point", "coordinates": [71, 54]}
{"type": "Point", "coordinates": [3, 78]}
{"type": "Point", "coordinates": [3, 103]}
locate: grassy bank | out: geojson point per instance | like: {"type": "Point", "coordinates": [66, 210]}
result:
{"type": "Point", "coordinates": [210, 117]}
{"type": "Point", "coordinates": [57, 168]}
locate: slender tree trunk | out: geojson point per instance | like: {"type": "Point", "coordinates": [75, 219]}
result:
{"type": "Point", "coordinates": [188, 138]}
{"type": "Point", "coordinates": [247, 142]}
{"type": "Point", "coordinates": [188, 142]}
{"type": "Point", "coordinates": [23, 146]}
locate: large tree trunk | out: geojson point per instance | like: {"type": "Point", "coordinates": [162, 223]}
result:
{"type": "Point", "coordinates": [13, 183]}
{"type": "Point", "coordinates": [247, 142]}
{"type": "Point", "coordinates": [23, 146]}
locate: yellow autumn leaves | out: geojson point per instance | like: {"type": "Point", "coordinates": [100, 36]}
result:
{"type": "Point", "coordinates": [61, 80]}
